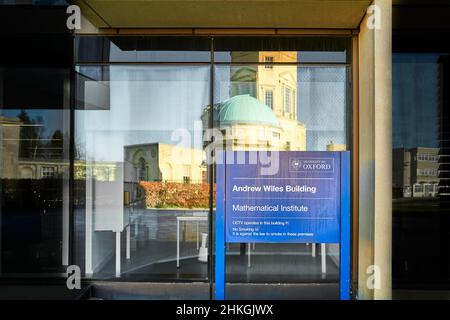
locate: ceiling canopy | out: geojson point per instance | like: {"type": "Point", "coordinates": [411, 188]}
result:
{"type": "Point", "coordinates": [340, 14]}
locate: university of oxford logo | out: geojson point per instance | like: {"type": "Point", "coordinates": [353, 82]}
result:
{"type": "Point", "coordinates": [311, 164]}
{"type": "Point", "coordinates": [295, 164]}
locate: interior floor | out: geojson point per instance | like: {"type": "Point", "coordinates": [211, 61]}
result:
{"type": "Point", "coordinates": [267, 263]}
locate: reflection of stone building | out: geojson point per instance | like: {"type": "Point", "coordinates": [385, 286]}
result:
{"type": "Point", "coordinates": [336, 146]}
{"type": "Point", "coordinates": [13, 166]}
{"type": "Point", "coordinates": [163, 162]}
{"type": "Point", "coordinates": [415, 172]}
{"type": "Point", "coordinates": [41, 169]}
{"type": "Point", "coordinates": [9, 147]}
{"type": "Point", "coordinates": [262, 110]}
{"type": "Point", "coordinates": [401, 173]}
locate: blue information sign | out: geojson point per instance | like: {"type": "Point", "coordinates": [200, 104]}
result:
{"type": "Point", "coordinates": [285, 196]}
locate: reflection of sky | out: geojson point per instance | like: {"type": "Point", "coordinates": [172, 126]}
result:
{"type": "Point", "coordinates": [321, 102]}
{"type": "Point", "coordinates": [415, 82]}
{"type": "Point", "coordinates": [149, 102]}
{"type": "Point", "coordinates": [147, 105]}
{"type": "Point", "coordinates": [51, 120]}
{"type": "Point", "coordinates": [321, 105]}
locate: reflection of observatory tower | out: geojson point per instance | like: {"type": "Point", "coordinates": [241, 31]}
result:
{"type": "Point", "coordinates": [274, 86]}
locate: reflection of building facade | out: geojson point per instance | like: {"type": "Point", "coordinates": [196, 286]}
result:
{"type": "Point", "coordinates": [163, 162]}
{"type": "Point", "coordinates": [166, 59]}
{"type": "Point", "coordinates": [15, 167]}
{"type": "Point", "coordinates": [149, 162]}
{"type": "Point", "coordinates": [262, 110]}
{"type": "Point", "coordinates": [9, 148]}
{"type": "Point", "coordinates": [336, 146]}
{"type": "Point", "coordinates": [415, 172]}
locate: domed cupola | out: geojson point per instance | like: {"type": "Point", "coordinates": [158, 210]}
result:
{"type": "Point", "coordinates": [245, 109]}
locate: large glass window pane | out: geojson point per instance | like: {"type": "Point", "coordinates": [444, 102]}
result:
{"type": "Point", "coordinates": [308, 112]}
{"type": "Point", "coordinates": [420, 177]}
{"type": "Point", "coordinates": [322, 105]}
{"type": "Point", "coordinates": [34, 172]}
{"type": "Point", "coordinates": [282, 50]}
{"type": "Point", "coordinates": [141, 181]}
{"type": "Point", "coordinates": [143, 49]}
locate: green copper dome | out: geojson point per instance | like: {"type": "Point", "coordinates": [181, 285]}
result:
{"type": "Point", "coordinates": [244, 109]}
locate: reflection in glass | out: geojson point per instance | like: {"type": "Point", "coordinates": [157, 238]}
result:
{"type": "Point", "coordinates": [140, 173]}
{"type": "Point", "coordinates": [283, 108]}
{"type": "Point", "coordinates": [420, 170]}
{"type": "Point", "coordinates": [142, 193]}
{"type": "Point", "coordinates": [416, 147]}
{"type": "Point", "coordinates": [142, 49]}
{"type": "Point", "coordinates": [34, 170]}
{"type": "Point", "coordinates": [306, 49]}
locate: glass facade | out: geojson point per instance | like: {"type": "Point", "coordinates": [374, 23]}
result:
{"type": "Point", "coordinates": [114, 161]}
{"type": "Point", "coordinates": [420, 170]}
{"type": "Point", "coordinates": [143, 106]}
{"type": "Point", "coordinates": [302, 100]}
{"type": "Point", "coordinates": [140, 169]}
{"type": "Point", "coordinates": [34, 162]}
{"type": "Point", "coordinates": [105, 145]}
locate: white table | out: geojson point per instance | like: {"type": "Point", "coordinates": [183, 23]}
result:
{"type": "Point", "coordinates": [133, 218]}
{"type": "Point", "coordinates": [204, 217]}
{"type": "Point", "coordinates": [195, 218]}
{"type": "Point", "coordinates": [323, 254]}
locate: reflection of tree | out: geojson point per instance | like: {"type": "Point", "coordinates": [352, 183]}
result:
{"type": "Point", "coordinates": [28, 135]}
{"type": "Point", "coordinates": [57, 140]}
{"type": "Point", "coordinates": [33, 145]}
{"type": "Point", "coordinates": [56, 148]}
{"type": "Point", "coordinates": [79, 150]}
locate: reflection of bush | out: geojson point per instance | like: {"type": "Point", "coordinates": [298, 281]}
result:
{"type": "Point", "coordinates": [176, 195]}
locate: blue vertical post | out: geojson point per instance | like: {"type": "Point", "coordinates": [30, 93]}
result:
{"type": "Point", "coordinates": [344, 285]}
{"type": "Point", "coordinates": [219, 288]}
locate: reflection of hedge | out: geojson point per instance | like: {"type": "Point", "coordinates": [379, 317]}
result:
{"type": "Point", "coordinates": [176, 195]}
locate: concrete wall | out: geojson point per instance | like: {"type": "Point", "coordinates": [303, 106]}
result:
{"type": "Point", "coordinates": [375, 155]}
